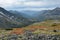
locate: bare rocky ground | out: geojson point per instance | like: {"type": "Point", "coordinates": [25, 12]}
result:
{"type": "Point", "coordinates": [30, 36]}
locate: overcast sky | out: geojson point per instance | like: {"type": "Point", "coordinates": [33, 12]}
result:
{"type": "Point", "coordinates": [29, 4]}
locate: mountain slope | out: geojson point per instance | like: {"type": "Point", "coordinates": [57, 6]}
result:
{"type": "Point", "coordinates": [38, 16]}
{"type": "Point", "coordinates": [10, 20]}
{"type": "Point", "coordinates": [49, 14]}
{"type": "Point", "coordinates": [25, 15]}
{"type": "Point", "coordinates": [45, 27]}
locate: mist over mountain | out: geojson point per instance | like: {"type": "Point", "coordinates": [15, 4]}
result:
{"type": "Point", "coordinates": [41, 15]}
{"type": "Point", "coordinates": [50, 14]}
{"type": "Point", "coordinates": [27, 14]}
{"type": "Point", "coordinates": [11, 20]}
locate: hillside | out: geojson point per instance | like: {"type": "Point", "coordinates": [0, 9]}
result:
{"type": "Point", "coordinates": [46, 30]}
{"type": "Point", "coordinates": [42, 27]}
{"type": "Point", "coordinates": [12, 20]}
{"type": "Point", "coordinates": [25, 15]}
{"type": "Point", "coordinates": [47, 27]}
{"type": "Point", "coordinates": [53, 14]}
{"type": "Point", "coordinates": [38, 16]}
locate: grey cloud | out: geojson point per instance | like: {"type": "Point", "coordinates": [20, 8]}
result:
{"type": "Point", "coordinates": [50, 4]}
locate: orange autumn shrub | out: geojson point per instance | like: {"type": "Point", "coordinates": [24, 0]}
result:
{"type": "Point", "coordinates": [17, 31]}
{"type": "Point", "coordinates": [22, 30]}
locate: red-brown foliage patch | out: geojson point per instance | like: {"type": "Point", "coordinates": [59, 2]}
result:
{"type": "Point", "coordinates": [21, 30]}
{"type": "Point", "coordinates": [17, 31]}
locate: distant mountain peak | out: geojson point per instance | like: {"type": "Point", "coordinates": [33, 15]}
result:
{"type": "Point", "coordinates": [1, 8]}
{"type": "Point", "coordinates": [57, 8]}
